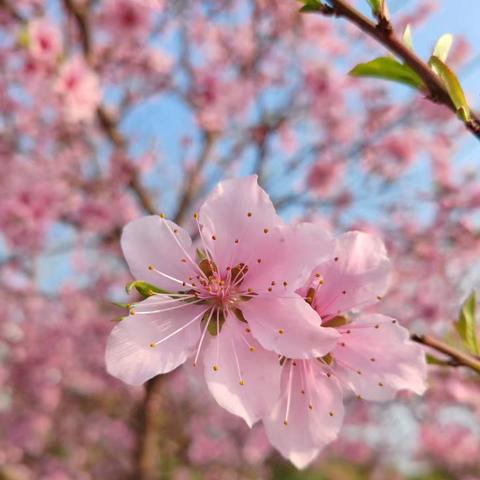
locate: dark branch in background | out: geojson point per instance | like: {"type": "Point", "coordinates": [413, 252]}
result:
{"type": "Point", "coordinates": [109, 124]}
{"type": "Point", "coordinates": [456, 357]}
{"type": "Point", "coordinates": [6, 6]}
{"type": "Point", "coordinates": [384, 34]}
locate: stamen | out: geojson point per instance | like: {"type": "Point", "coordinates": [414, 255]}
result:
{"type": "Point", "coordinates": [202, 337]}
{"type": "Point", "coordinates": [289, 394]}
{"type": "Point", "coordinates": [173, 279]}
{"type": "Point", "coordinates": [176, 307]}
{"type": "Point", "coordinates": [194, 264]}
{"type": "Point", "coordinates": [216, 367]}
{"type": "Point", "coordinates": [178, 330]}
{"type": "Point", "coordinates": [250, 347]}
{"type": "Point", "coordinates": [241, 381]}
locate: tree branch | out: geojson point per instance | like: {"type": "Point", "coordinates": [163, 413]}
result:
{"type": "Point", "coordinates": [108, 124]}
{"type": "Point", "coordinates": [437, 92]}
{"type": "Point", "coordinates": [458, 358]}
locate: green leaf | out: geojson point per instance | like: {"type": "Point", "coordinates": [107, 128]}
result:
{"type": "Point", "coordinates": [23, 38]}
{"type": "Point", "coordinates": [442, 47]}
{"type": "Point", "coordinates": [311, 6]}
{"type": "Point", "coordinates": [388, 68]}
{"type": "Point", "coordinates": [467, 325]}
{"type": "Point", "coordinates": [407, 37]}
{"type": "Point", "coordinates": [376, 6]}
{"type": "Point", "coordinates": [144, 289]}
{"type": "Point", "coordinates": [454, 88]}
{"type": "Point", "coordinates": [431, 360]}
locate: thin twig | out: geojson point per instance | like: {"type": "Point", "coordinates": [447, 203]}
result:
{"type": "Point", "coordinates": [436, 90]}
{"type": "Point", "coordinates": [110, 125]}
{"type": "Point", "coordinates": [457, 357]}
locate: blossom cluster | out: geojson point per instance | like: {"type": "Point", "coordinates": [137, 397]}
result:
{"type": "Point", "coordinates": [272, 309]}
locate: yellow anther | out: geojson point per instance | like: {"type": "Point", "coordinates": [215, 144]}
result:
{"type": "Point", "coordinates": [241, 382]}
{"type": "Point", "coordinates": [281, 331]}
{"type": "Point", "coordinates": [153, 345]}
{"type": "Point", "coordinates": [215, 368]}
{"type": "Point", "coordinates": [151, 267]}
{"type": "Point", "coordinates": [252, 349]}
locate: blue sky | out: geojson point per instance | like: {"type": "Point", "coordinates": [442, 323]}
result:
{"type": "Point", "coordinates": [459, 17]}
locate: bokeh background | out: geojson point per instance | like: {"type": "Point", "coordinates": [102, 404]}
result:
{"type": "Point", "coordinates": [113, 109]}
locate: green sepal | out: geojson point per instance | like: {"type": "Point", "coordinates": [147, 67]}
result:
{"type": "Point", "coordinates": [122, 305]}
{"type": "Point", "coordinates": [212, 326]}
{"type": "Point", "coordinates": [338, 321]}
{"type": "Point", "coordinates": [144, 289]}
{"type": "Point", "coordinates": [328, 358]}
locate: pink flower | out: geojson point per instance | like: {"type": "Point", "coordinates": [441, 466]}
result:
{"type": "Point", "coordinates": [127, 19]}
{"type": "Point", "coordinates": [45, 41]}
{"type": "Point", "coordinates": [373, 356]}
{"type": "Point", "coordinates": [79, 91]}
{"type": "Point", "coordinates": [325, 177]}
{"type": "Point", "coordinates": [235, 297]}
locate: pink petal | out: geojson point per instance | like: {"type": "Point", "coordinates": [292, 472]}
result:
{"type": "Point", "coordinates": [129, 355]}
{"type": "Point", "coordinates": [258, 370]}
{"type": "Point", "coordinates": [154, 241]}
{"type": "Point", "coordinates": [288, 326]}
{"type": "Point", "coordinates": [308, 430]}
{"type": "Point", "coordinates": [287, 258]}
{"type": "Point", "coordinates": [376, 358]}
{"type": "Point", "coordinates": [356, 275]}
{"type": "Point", "coordinates": [237, 209]}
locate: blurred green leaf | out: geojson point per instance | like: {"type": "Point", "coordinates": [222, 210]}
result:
{"type": "Point", "coordinates": [388, 68]}
{"type": "Point", "coordinates": [375, 5]}
{"type": "Point", "coordinates": [431, 360]}
{"type": "Point", "coordinates": [23, 38]}
{"type": "Point", "coordinates": [311, 6]}
{"type": "Point", "coordinates": [467, 325]}
{"type": "Point", "coordinates": [144, 289]}
{"type": "Point", "coordinates": [454, 88]}
{"type": "Point", "coordinates": [121, 305]}
{"type": "Point", "coordinates": [442, 47]}
{"type": "Point", "coordinates": [407, 37]}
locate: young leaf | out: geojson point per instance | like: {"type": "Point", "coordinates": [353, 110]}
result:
{"type": "Point", "coordinates": [144, 289]}
{"type": "Point", "coordinates": [310, 6]}
{"type": "Point", "coordinates": [454, 88]}
{"type": "Point", "coordinates": [467, 326]}
{"type": "Point", "coordinates": [389, 69]}
{"type": "Point", "coordinates": [442, 47]}
{"type": "Point", "coordinates": [376, 6]}
{"type": "Point", "coordinates": [407, 37]}
{"type": "Point", "coordinates": [432, 360]}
